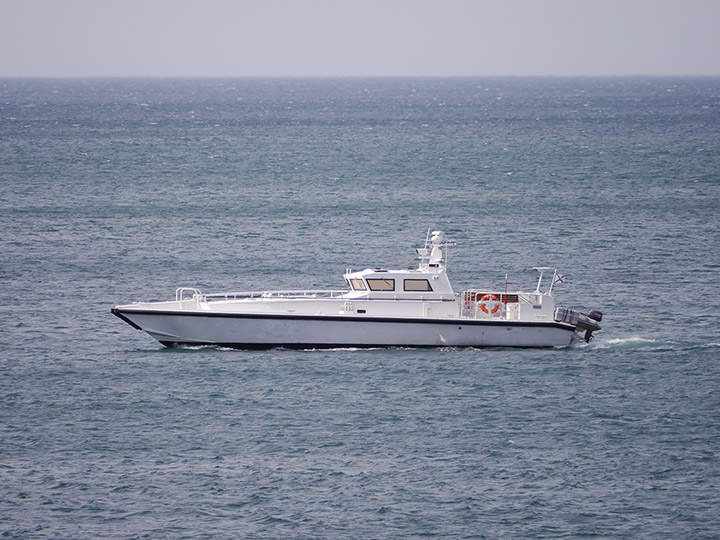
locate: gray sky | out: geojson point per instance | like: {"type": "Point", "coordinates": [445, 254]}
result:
{"type": "Point", "coordinates": [61, 38]}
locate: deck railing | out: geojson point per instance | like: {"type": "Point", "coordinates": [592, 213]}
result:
{"type": "Point", "coordinates": [180, 293]}
{"type": "Point", "coordinates": [279, 295]}
{"type": "Point", "coordinates": [506, 303]}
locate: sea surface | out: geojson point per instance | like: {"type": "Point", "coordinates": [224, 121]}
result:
{"type": "Point", "coordinates": [120, 190]}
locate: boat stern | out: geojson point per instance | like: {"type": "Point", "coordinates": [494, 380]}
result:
{"type": "Point", "coordinates": [589, 323]}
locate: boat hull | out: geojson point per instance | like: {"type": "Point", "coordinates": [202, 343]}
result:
{"type": "Point", "coordinates": [262, 331]}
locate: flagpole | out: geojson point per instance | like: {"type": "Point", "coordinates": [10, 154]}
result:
{"type": "Point", "coordinates": [552, 283]}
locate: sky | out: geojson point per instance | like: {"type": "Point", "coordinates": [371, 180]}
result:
{"type": "Point", "coordinates": [337, 38]}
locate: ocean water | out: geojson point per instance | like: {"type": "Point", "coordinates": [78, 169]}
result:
{"type": "Point", "coordinates": [119, 190]}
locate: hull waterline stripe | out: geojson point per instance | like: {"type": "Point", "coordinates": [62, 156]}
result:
{"type": "Point", "coordinates": [336, 318]}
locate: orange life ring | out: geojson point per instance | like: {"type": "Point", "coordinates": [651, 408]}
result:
{"type": "Point", "coordinates": [488, 299]}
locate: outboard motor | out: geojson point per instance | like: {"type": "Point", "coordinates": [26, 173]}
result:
{"type": "Point", "coordinates": [590, 322]}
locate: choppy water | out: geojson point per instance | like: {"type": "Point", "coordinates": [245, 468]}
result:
{"type": "Point", "coordinates": [120, 190]}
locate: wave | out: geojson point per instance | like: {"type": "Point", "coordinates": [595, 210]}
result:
{"type": "Point", "coordinates": [638, 342]}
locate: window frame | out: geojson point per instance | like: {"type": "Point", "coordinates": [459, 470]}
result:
{"type": "Point", "coordinates": [360, 281]}
{"type": "Point", "coordinates": [416, 280]}
{"type": "Point", "coordinates": [388, 281]}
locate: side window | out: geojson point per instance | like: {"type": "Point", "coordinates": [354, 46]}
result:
{"type": "Point", "coordinates": [357, 284]}
{"type": "Point", "coordinates": [417, 285]}
{"type": "Point", "coordinates": [377, 284]}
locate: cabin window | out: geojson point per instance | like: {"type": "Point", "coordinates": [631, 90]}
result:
{"type": "Point", "coordinates": [417, 285]}
{"type": "Point", "coordinates": [357, 284]}
{"type": "Point", "coordinates": [377, 284]}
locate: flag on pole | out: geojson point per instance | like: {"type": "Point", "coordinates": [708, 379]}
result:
{"type": "Point", "coordinates": [559, 279]}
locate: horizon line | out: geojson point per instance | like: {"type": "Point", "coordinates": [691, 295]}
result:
{"type": "Point", "coordinates": [505, 76]}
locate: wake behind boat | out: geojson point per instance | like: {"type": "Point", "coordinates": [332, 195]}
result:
{"type": "Point", "coordinates": [380, 308]}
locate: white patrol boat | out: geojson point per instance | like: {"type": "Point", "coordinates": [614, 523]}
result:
{"type": "Point", "coordinates": [380, 308]}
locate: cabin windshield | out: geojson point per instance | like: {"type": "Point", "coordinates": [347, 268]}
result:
{"type": "Point", "coordinates": [357, 284]}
